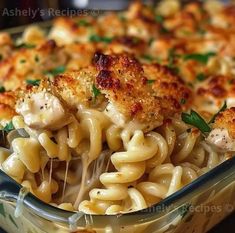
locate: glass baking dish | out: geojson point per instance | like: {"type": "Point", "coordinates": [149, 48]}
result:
{"type": "Point", "coordinates": [196, 208]}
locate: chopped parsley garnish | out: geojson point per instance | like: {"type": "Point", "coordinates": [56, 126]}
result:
{"type": "Point", "coordinates": [200, 77]}
{"type": "Point", "coordinates": [185, 32]}
{"type": "Point", "coordinates": [83, 23]}
{"type": "Point", "coordinates": [122, 17]}
{"type": "Point", "coordinates": [201, 31]}
{"type": "Point", "coordinates": [26, 46]}
{"type": "Point", "coordinates": [56, 71]}
{"type": "Point", "coordinates": [135, 40]}
{"type": "Point", "coordinates": [22, 61]}
{"type": "Point", "coordinates": [9, 127]}
{"type": "Point", "coordinates": [96, 91]}
{"type": "Point", "coordinates": [97, 38]}
{"type": "Point", "coordinates": [36, 58]}
{"type": "Point", "coordinates": [171, 57]}
{"type": "Point", "coordinates": [147, 57]}
{"type": "Point", "coordinates": [150, 81]}
{"type": "Point", "coordinates": [183, 101]}
{"type": "Point", "coordinates": [221, 110]}
{"type": "Point", "coordinates": [151, 40]}
{"type": "Point", "coordinates": [164, 30]}
{"type": "Point", "coordinates": [175, 69]}
{"type": "Point", "coordinates": [202, 58]}
{"type": "Point", "coordinates": [159, 19]}
{"type": "Point", "coordinates": [2, 89]}
{"type": "Point", "coordinates": [231, 81]}
{"type": "Point", "coordinates": [190, 85]}
{"type": "Point", "coordinates": [31, 82]}
{"type": "Point", "coordinates": [196, 120]}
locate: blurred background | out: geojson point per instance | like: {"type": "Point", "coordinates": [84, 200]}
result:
{"type": "Point", "coordinates": [20, 12]}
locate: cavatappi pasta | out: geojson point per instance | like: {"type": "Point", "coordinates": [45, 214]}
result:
{"type": "Point", "coordinates": [109, 118]}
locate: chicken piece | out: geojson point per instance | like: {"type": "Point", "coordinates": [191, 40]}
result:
{"type": "Point", "coordinates": [41, 108]}
{"type": "Point", "coordinates": [116, 25]}
{"type": "Point", "coordinates": [141, 22]}
{"type": "Point", "coordinates": [33, 35]}
{"type": "Point", "coordinates": [6, 45]}
{"type": "Point", "coordinates": [129, 44]}
{"type": "Point", "coordinates": [223, 132]}
{"type": "Point", "coordinates": [69, 30]}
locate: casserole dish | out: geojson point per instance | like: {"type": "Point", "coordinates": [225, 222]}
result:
{"type": "Point", "coordinates": [195, 208]}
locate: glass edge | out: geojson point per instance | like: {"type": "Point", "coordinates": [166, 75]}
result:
{"type": "Point", "coordinates": [217, 175]}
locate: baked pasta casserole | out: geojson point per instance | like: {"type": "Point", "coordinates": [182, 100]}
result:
{"type": "Point", "coordinates": [112, 114]}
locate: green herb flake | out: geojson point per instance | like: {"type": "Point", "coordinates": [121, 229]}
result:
{"type": "Point", "coordinates": [22, 61]}
{"type": "Point", "coordinates": [97, 38]}
{"type": "Point", "coordinates": [171, 57]}
{"type": "Point", "coordinates": [231, 81]}
{"type": "Point", "coordinates": [202, 58]}
{"type": "Point", "coordinates": [175, 69]}
{"type": "Point", "coordinates": [2, 89]}
{"type": "Point", "coordinates": [83, 23]}
{"type": "Point", "coordinates": [24, 45]}
{"type": "Point", "coordinates": [164, 30]}
{"type": "Point", "coordinates": [31, 82]}
{"type": "Point", "coordinates": [13, 221]}
{"type": "Point", "coordinates": [150, 81]}
{"type": "Point", "coordinates": [185, 32]}
{"type": "Point", "coordinates": [182, 101]}
{"type": "Point", "coordinates": [151, 40]}
{"type": "Point", "coordinates": [212, 120]}
{"type": "Point", "coordinates": [135, 40]}
{"type": "Point", "coordinates": [9, 127]}
{"type": "Point", "coordinates": [2, 210]}
{"type": "Point", "coordinates": [201, 31]}
{"type": "Point", "coordinates": [36, 58]}
{"type": "Point", "coordinates": [200, 77]}
{"type": "Point", "coordinates": [96, 91]}
{"type": "Point", "coordinates": [122, 17]}
{"type": "Point", "coordinates": [147, 57]}
{"type": "Point", "coordinates": [190, 84]}
{"type": "Point", "coordinates": [159, 19]}
{"type": "Point", "coordinates": [195, 120]}
{"type": "Point", "coordinates": [56, 71]}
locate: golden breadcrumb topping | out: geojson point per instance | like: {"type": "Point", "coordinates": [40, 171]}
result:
{"type": "Point", "coordinates": [147, 63]}
{"type": "Point", "coordinates": [226, 120]}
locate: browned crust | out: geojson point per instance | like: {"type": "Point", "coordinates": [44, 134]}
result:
{"type": "Point", "coordinates": [226, 119]}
